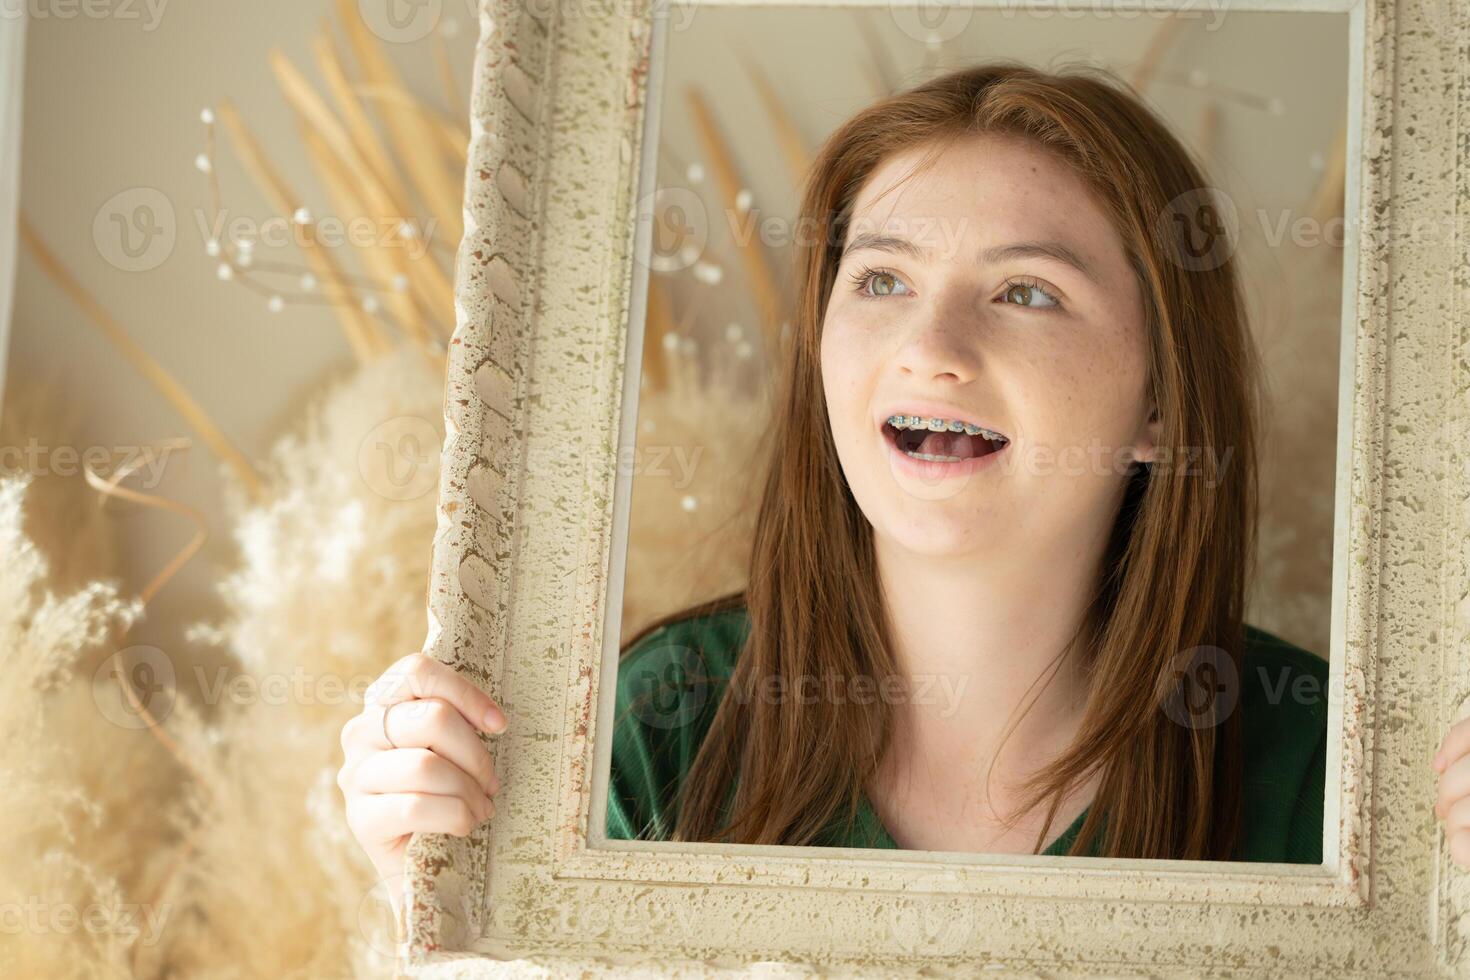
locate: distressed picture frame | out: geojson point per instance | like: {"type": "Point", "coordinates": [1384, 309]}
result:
{"type": "Point", "coordinates": [539, 398]}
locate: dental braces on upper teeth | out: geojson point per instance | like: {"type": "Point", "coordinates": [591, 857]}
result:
{"type": "Point", "coordinates": [939, 425]}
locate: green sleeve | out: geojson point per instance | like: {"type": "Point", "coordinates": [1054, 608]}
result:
{"type": "Point", "coordinates": [1284, 700]}
{"type": "Point", "coordinates": [622, 812]}
{"type": "Point", "coordinates": [637, 781]}
{"type": "Point", "coordinates": [667, 689]}
{"type": "Point", "coordinates": [1304, 833]}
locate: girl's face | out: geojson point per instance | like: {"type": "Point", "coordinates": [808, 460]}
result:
{"type": "Point", "coordinates": [989, 320]}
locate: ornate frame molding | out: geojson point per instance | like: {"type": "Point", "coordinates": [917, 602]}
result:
{"type": "Point", "coordinates": [530, 524]}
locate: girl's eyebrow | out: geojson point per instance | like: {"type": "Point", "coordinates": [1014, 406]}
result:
{"type": "Point", "coordinates": [1055, 251]}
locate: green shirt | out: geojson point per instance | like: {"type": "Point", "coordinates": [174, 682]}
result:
{"type": "Point", "coordinates": [663, 712]}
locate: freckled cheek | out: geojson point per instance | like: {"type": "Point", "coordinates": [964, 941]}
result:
{"type": "Point", "coordinates": [1118, 382]}
{"type": "Point", "coordinates": [843, 346]}
{"type": "Point", "coordinates": [848, 367]}
{"type": "Point", "coordinates": [1075, 394]}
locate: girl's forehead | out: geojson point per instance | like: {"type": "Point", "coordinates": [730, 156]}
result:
{"type": "Point", "coordinates": [980, 154]}
{"type": "Point", "coordinates": [1001, 178]}
{"type": "Point", "coordinates": [981, 191]}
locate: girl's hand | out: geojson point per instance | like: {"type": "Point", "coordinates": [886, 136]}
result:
{"type": "Point", "coordinates": [435, 775]}
{"type": "Point", "coordinates": [1452, 803]}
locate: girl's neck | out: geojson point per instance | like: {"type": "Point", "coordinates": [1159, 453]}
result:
{"type": "Point", "coordinates": [976, 639]}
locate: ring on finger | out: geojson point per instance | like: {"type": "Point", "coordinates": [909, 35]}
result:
{"type": "Point", "coordinates": [386, 737]}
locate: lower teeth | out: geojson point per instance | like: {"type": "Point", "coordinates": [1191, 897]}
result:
{"type": "Point", "coordinates": [933, 458]}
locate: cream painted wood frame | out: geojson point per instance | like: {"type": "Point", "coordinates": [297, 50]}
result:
{"type": "Point", "coordinates": [533, 517]}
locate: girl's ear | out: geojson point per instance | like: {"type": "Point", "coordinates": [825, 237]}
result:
{"type": "Point", "coordinates": [1145, 450]}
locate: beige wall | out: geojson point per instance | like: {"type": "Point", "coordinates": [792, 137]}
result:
{"type": "Point", "coordinates": [112, 105]}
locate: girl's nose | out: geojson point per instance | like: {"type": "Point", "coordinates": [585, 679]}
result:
{"type": "Point", "coordinates": [940, 345]}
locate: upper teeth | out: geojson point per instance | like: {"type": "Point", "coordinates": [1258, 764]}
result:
{"type": "Point", "coordinates": [939, 425]}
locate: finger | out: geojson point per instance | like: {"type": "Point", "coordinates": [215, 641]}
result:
{"type": "Point", "coordinates": [421, 676]}
{"type": "Point", "coordinates": [1457, 817]}
{"type": "Point", "coordinates": [1454, 784]}
{"type": "Point", "coordinates": [385, 817]}
{"type": "Point", "coordinates": [1460, 848]}
{"type": "Point", "coordinates": [1456, 743]}
{"type": "Point", "coordinates": [418, 771]}
{"type": "Point", "coordinates": [434, 724]}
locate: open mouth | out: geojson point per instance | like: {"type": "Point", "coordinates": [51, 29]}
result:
{"type": "Point", "coordinates": [945, 446]}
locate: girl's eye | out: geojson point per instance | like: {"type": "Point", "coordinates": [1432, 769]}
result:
{"type": "Point", "coordinates": [1025, 290]}
{"type": "Point", "coordinates": [1019, 292]}
{"type": "Point", "coordinates": [886, 282]}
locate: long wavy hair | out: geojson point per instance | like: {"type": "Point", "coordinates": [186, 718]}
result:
{"type": "Point", "coordinates": [1174, 574]}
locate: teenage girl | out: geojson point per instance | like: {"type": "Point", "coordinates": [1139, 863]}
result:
{"type": "Point", "coordinates": [1001, 552]}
